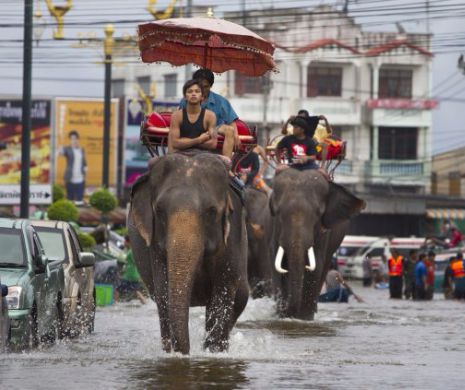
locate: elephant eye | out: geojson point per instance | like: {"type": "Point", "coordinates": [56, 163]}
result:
{"type": "Point", "coordinates": [211, 211]}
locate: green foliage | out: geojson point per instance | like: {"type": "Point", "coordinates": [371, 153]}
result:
{"type": "Point", "coordinates": [58, 193]}
{"type": "Point", "coordinates": [121, 231]}
{"type": "Point", "coordinates": [63, 210]}
{"type": "Point", "coordinates": [86, 240]}
{"type": "Point", "coordinates": [103, 200]}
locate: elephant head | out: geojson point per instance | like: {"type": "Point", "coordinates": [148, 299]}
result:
{"type": "Point", "coordinates": [305, 208]}
{"type": "Point", "coordinates": [182, 211]}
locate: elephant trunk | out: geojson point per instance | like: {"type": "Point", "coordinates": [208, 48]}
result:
{"type": "Point", "coordinates": [184, 248]}
{"type": "Point", "coordinates": [296, 263]}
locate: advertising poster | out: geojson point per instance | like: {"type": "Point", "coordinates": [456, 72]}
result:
{"type": "Point", "coordinates": [10, 152]}
{"type": "Point", "coordinates": [79, 126]}
{"type": "Point", "coordinates": [136, 155]}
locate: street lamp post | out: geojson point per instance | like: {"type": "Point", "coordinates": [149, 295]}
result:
{"type": "Point", "coordinates": [108, 48]}
{"type": "Point", "coordinates": [26, 114]}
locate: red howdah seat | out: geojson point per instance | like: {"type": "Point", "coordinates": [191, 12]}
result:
{"type": "Point", "coordinates": [155, 129]}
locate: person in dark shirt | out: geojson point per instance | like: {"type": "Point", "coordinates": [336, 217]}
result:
{"type": "Point", "coordinates": [420, 274]}
{"type": "Point", "coordinates": [447, 286]}
{"type": "Point", "coordinates": [192, 126]}
{"type": "Point", "coordinates": [247, 168]}
{"type": "Point", "coordinates": [300, 148]}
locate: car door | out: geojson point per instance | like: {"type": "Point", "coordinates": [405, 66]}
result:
{"type": "Point", "coordinates": [40, 285]}
{"type": "Point", "coordinates": [84, 275]}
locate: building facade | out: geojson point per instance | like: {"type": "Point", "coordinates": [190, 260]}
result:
{"type": "Point", "coordinates": [374, 88]}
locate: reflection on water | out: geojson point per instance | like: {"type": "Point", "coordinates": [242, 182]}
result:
{"type": "Point", "coordinates": [380, 344]}
{"type": "Point", "coordinates": [291, 328]}
{"type": "Point", "coordinates": [185, 373]}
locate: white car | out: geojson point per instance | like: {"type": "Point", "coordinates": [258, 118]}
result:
{"type": "Point", "coordinates": [349, 248]}
{"type": "Point", "coordinates": [60, 242]}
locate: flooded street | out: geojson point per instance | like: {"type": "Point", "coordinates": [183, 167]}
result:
{"type": "Point", "coordinates": [377, 344]}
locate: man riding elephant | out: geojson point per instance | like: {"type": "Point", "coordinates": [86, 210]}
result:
{"type": "Point", "coordinates": [188, 234]}
{"type": "Point", "coordinates": [225, 114]}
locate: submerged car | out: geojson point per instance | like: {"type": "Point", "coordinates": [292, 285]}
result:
{"type": "Point", "coordinates": [35, 284]}
{"type": "Point", "coordinates": [61, 243]}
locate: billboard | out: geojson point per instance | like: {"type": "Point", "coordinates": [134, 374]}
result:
{"type": "Point", "coordinates": [10, 152]}
{"type": "Point", "coordinates": [84, 117]}
{"type": "Point", "coordinates": [135, 154]}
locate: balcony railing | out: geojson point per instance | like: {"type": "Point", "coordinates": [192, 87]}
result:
{"type": "Point", "coordinates": [344, 168]}
{"type": "Point", "coordinates": [396, 169]}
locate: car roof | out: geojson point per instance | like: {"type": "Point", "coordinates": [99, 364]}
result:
{"type": "Point", "coordinates": [49, 224]}
{"type": "Point", "coordinates": [358, 240]}
{"type": "Point", "coordinates": [11, 223]}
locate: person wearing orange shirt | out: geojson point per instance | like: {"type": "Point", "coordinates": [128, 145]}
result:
{"type": "Point", "coordinates": [395, 269]}
{"type": "Point", "coordinates": [458, 274]}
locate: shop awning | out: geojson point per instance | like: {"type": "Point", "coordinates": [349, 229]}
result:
{"type": "Point", "coordinates": [445, 213]}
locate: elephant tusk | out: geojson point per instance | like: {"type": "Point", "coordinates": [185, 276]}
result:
{"type": "Point", "coordinates": [311, 260]}
{"type": "Point", "coordinates": [278, 261]}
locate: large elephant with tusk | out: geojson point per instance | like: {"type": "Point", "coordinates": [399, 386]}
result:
{"type": "Point", "coordinates": [188, 235]}
{"type": "Point", "coordinates": [310, 218]}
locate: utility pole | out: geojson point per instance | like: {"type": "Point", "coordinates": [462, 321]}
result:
{"type": "Point", "coordinates": [26, 112]}
{"type": "Point", "coordinates": [108, 48]}
{"type": "Point", "coordinates": [266, 89]}
{"type": "Point", "coordinates": [244, 14]}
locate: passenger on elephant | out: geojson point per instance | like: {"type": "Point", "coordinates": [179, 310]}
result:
{"type": "Point", "coordinates": [302, 113]}
{"type": "Point", "coordinates": [192, 127]}
{"type": "Point", "coordinates": [225, 115]}
{"type": "Point", "coordinates": [299, 148]}
{"type": "Point", "coordinates": [250, 171]}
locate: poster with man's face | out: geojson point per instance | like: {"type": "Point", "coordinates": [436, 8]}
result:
{"type": "Point", "coordinates": [84, 117]}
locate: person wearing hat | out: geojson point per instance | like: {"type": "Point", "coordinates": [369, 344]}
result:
{"type": "Point", "coordinates": [300, 148]}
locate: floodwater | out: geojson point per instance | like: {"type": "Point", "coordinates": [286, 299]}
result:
{"type": "Point", "coordinates": [377, 344]}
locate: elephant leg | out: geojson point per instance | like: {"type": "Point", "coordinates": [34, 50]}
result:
{"type": "Point", "coordinates": [161, 299]}
{"type": "Point", "coordinates": [219, 315]}
{"type": "Point", "coordinates": [240, 302]}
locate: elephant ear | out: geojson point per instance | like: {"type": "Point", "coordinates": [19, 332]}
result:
{"type": "Point", "coordinates": [341, 205]}
{"type": "Point", "coordinates": [272, 204]}
{"type": "Point", "coordinates": [140, 212]}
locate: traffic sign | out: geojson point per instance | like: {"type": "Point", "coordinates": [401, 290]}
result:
{"type": "Point", "coordinates": [39, 194]}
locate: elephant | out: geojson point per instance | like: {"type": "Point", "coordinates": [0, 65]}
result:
{"type": "Point", "coordinates": [189, 240]}
{"type": "Point", "coordinates": [259, 229]}
{"type": "Point", "coordinates": [310, 219]}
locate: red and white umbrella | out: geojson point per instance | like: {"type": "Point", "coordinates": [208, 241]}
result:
{"type": "Point", "coordinates": [216, 44]}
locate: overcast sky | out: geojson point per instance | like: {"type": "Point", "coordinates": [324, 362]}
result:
{"type": "Point", "coordinates": [61, 70]}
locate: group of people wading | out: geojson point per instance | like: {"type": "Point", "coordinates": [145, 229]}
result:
{"type": "Point", "coordinates": [204, 114]}
{"type": "Point", "coordinates": [414, 276]}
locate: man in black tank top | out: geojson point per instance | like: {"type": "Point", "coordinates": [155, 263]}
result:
{"type": "Point", "coordinates": [193, 126]}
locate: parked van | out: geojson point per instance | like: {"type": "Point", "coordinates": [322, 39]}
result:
{"type": "Point", "coordinates": [350, 246]}
{"type": "Point", "coordinates": [378, 249]}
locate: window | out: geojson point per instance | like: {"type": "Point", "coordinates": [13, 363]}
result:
{"type": "Point", "coordinates": [12, 253]}
{"type": "Point", "coordinates": [398, 143]}
{"type": "Point", "coordinates": [324, 81]}
{"type": "Point", "coordinates": [454, 183]}
{"type": "Point", "coordinates": [171, 81]}
{"type": "Point", "coordinates": [395, 83]}
{"type": "Point", "coordinates": [144, 83]}
{"type": "Point", "coordinates": [117, 87]}
{"type": "Point", "coordinates": [53, 243]}
{"type": "Point", "coordinates": [245, 84]}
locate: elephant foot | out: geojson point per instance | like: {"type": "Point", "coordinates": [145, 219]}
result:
{"type": "Point", "coordinates": [166, 345]}
{"type": "Point", "coordinates": [216, 346]}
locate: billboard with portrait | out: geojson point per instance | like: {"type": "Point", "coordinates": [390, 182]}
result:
{"type": "Point", "coordinates": [83, 119]}
{"type": "Point", "coordinates": [10, 151]}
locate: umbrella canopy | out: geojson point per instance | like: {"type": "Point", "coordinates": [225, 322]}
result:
{"type": "Point", "coordinates": [211, 43]}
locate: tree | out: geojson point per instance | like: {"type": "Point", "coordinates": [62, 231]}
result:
{"type": "Point", "coordinates": [104, 201]}
{"type": "Point", "coordinates": [63, 210]}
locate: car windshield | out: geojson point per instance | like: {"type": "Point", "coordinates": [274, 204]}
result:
{"type": "Point", "coordinates": [12, 248]}
{"type": "Point", "coordinates": [347, 250]}
{"type": "Point", "coordinates": [52, 241]}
